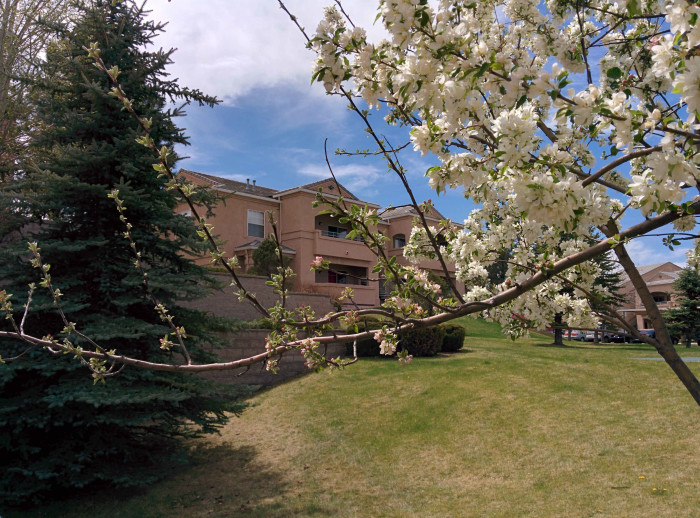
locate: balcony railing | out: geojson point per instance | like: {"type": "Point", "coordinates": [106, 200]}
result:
{"type": "Point", "coordinates": [339, 235]}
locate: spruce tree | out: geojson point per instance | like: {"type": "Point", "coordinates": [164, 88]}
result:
{"type": "Point", "coordinates": [684, 321]}
{"type": "Point", "coordinates": [58, 431]}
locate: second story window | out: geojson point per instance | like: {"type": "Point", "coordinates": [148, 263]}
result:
{"type": "Point", "coordinates": [399, 241]}
{"type": "Point", "coordinates": [256, 223]}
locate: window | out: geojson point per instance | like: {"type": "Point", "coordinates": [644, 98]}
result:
{"type": "Point", "coordinates": [256, 223]}
{"type": "Point", "coordinates": [399, 241]}
{"type": "Point", "coordinates": [660, 297]}
{"type": "Point", "coordinates": [337, 277]}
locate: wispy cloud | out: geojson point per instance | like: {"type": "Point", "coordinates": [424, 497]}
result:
{"type": "Point", "coordinates": [360, 179]}
{"type": "Point", "coordinates": [646, 252]}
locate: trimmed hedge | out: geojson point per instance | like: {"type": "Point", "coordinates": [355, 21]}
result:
{"type": "Point", "coordinates": [423, 341]}
{"type": "Point", "coordinates": [454, 337]}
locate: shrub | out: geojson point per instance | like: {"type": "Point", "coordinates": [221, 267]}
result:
{"type": "Point", "coordinates": [369, 346]}
{"type": "Point", "coordinates": [424, 341]}
{"type": "Point", "coordinates": [262, 323]}
{"type": "Point", "coordinates": [454, 337]}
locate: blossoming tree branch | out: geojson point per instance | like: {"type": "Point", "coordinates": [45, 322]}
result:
{"type": "Point", "coordinates": [558, 120]}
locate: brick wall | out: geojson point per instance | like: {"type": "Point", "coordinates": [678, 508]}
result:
{"type": "Point", "coordinates": [224, 304]}
{"type": "Point", "coordinates": [243, 344]}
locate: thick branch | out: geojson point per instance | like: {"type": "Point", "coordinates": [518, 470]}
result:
{"type": "Point", "coordinates": [663, 342]}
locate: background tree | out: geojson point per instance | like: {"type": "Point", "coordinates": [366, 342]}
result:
{"type": "Point", "coordinates": [608, 286]}
{"type": "Point", "coordinates": [57, 431]}
{"type": "Point", "coordinates": [266, 259]}
{"type": "Point", "coordinates": [488, 96]}
{"type": "Point", "coordinates": [684, 320]}
{"type": "Point", "coordinates": [25, 29]}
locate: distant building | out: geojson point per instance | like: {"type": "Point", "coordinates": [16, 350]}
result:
{"type": "Point", "coordinates": [240, 222]}
{"type": "Point", "coordinates": [659, 278]}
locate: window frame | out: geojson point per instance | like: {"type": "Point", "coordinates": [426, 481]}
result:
{"type": "Point", "coordinates": [253, 225]}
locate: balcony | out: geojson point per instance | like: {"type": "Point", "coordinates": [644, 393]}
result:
{"type": "Point", "coordinates": [334, 244]}
{"type": "Point", "coordinates": [339, 235]}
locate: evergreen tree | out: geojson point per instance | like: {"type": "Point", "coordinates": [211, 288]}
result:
{"type": "Point", "coordinates": [266, 259]}
{"type": "Point", "coordinates": [57, 430]}
{"type": "Point", "coordinates": [685, 319]}
{"type": "Point", "coordinates": [608, 284]}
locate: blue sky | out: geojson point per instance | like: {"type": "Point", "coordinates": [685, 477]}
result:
{"type": "Point", "coordinates": [272, 123]}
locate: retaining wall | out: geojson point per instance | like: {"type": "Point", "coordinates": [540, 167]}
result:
{"type": "Point", "coordinates": [243, 344]}
{"type": "Point", "coordinates": [224, 303]}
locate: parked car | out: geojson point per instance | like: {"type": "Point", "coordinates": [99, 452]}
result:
{"type": "Point", "coordinates": [573, 334]}
{"type": "Point", "coordinates": [604, 335]}
{"type": "Point", "coordinates": [645, 332]}
{"type": "Point", "coordinates": [620, 337]}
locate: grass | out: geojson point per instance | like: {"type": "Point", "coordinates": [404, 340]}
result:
{"type": "Point", "coordinates": [508, 429]}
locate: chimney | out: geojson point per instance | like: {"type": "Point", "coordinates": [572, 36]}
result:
{"type": "Point", "coordinates": [247, 188]}
{"type": "Point", "coordinates": [253, 184]}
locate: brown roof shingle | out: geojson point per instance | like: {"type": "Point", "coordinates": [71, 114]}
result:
{"type": "Point", "coordinates": [232, 185]}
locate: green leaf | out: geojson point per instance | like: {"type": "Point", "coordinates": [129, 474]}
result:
{"type": "Point", "coordinates": [614, 73]}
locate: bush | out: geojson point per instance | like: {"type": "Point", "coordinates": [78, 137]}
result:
{"type": "Point", "coordinates": [454, 337]}
{"type": "Point", "coordinates": [263, 323]}
{"type": "Point", "coordinates": [424, 341]}
{"type": "Point", "coordinates": [368, 347]}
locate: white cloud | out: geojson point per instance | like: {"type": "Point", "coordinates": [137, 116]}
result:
{"type": "Point", "coordinates": [647, 252]}
{"type": "Point", "coordinates": [230, 48]}
{"type": "Point", "coordinates": [359, 179]}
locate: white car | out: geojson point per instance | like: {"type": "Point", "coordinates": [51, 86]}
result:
{"type": "Point", "coordinates": [574, 334]}
{"type": "Point", "coordinates": [603, 336]}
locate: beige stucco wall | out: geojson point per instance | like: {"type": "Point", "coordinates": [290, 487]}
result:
{"type": "Point", "coordinates": [403, 225]}
{"type": "Point", "coordinates": [302, 229]}
{"type": "Point", "coordinates": [635, 314]}
{"type": "Point", "coordinates": [230, 218]}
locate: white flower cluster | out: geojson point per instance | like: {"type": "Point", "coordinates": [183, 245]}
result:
{"type": "Point", "coordinates": [387, 341]}
{"type": "Point", "coordinates": [489, 89]}
{"type": "Point", "coordinates": [420, 277]}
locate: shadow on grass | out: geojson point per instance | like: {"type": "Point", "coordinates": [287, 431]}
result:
{"type": "Point", "coordinates": [217, 481]}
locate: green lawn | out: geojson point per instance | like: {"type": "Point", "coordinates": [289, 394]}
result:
{"type": "Point", "coordinates": [507, 429]}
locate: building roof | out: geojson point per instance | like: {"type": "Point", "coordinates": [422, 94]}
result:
{"type": "Point", "coordinates": [407, 210]}
{"type": "Point", "coordinates": [228, 185]}
{"type": "Point", "coordinates": [253, 245]}
{"type": "Point", "coordinates": [649, 267]}
{"type": "Point", "coordinates": [671, 277]}
{"type": "Point", "coordinates": [643, 270]}
{"type": "Point", "coordinates": [328, 185]}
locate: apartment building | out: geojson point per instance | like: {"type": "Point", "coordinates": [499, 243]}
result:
{"type": "Point", "coordinates": [659, 278]}
{"type": "Point", "coordinates": [241, 222]}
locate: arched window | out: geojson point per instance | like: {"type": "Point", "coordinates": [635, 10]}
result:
{"type": "Point", "coordinates": [399, 241]}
